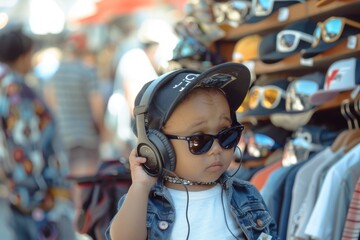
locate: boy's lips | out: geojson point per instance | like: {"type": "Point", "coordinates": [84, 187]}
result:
{"type": "Point", "coordinates": [215, 165]}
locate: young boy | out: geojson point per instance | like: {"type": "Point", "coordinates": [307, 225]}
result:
{"type": "Point", "coordinates": [187, 133]}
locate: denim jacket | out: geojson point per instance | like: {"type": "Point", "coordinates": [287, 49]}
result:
{"type": "Point", "coordinates": [246, 204]}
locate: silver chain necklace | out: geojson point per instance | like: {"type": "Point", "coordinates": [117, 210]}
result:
{"type": "Point", "coordinates": [178, 180]}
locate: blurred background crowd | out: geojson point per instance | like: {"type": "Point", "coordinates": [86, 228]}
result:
{"type": "Point", "coordinates": [98, 33]}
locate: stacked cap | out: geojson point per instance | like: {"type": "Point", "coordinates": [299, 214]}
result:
{"type": "Point", "coordinates": [342, 75]}
{"type": "Point", "coordinates": [246, 49]}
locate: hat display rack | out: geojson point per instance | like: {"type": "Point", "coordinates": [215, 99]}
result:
{"type": "Point", "coordinates": [295, 65]}
{"type": "Point", "coordinates": [216, 31]}
{"type": "Point", "coordinates": [307, 79]}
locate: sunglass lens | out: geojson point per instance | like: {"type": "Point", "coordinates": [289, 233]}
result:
{"type": "Point", "coordinates": [270, 97]}
{"type": "Point", "coordinates": [287, 41]}
{"type": "Point", "coordinates": [317, 36]}
{"type": "Point", "coordinates": [332, 30]}
{"type": "Point", "coordinates": [306, 87]}
{"type": "Point", "coordinates": [254, 98]}
{"type": "Point", "coordinates": [317, 32]}
{"type": "Point", "coordinates": [261, 145]}
{"type": "Point", "coordinates": [200, 143]}
{"type": "Point", "coordinates": [263, 140]}
{"type": "Point", "coordinates": [298, 94]}
{"type": "Point", "coordinates": [243, 107]}
{"type": "Point", "coordinates": [263, 5]}
{"type": "Point", "coordinates": [229, 137]}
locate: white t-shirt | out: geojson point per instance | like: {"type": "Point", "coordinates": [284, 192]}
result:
{"type": "Point", "coordinates": [205, 214]}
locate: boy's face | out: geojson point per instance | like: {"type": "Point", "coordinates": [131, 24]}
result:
{"type": "Point", "coordinates": [204, 111]}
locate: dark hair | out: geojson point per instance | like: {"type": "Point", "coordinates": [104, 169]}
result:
{"type": "Point", "coordinates": [13, 44]}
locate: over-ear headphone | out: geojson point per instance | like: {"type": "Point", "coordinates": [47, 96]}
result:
{"type": "Point", "coordinates": [152, 144]}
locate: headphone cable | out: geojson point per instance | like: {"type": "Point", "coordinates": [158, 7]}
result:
{"type": "Point", "coordinates": [187, 203]}
{"type": "Point", "coordinates": [240, 162]}
{"type": "Point", "coordinates": [222, 192]}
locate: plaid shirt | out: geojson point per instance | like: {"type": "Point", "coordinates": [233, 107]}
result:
{"type": "Point", "coordinates": [352, 224]}
{"type": "Point", "coordinates": [29, 167]}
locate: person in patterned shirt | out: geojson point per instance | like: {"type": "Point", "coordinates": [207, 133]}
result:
{"type": "Point", "coordinates": [32, 172]}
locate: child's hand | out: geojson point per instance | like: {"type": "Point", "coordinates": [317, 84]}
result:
{"type": "Point", "coordinates": [138, 175]}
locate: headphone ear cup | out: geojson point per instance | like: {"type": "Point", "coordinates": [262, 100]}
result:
{"type": "Point", "coordinates": [164, 147]}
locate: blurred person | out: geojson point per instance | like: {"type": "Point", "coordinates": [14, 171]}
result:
{"type": "Point", "coordinates": [136, 67]}
{"type": "Point", "coordinates": [141, 56]}
{"type": "Point", "coordinates": [106, 71]}
{"type": "Point", "coordinates": [32, 166]}
{"type": "Point", "coordinates": [78, 105]}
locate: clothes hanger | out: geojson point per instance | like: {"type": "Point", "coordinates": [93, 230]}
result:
{"type": "Point", "coordinates": [339, 140]}
{"type": "Point", "coordinates": [353, 137]}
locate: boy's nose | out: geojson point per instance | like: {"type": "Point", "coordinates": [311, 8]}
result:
{"type": "Point", "coordinates": [215, 148]}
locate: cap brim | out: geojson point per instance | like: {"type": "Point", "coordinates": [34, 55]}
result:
{"type": "Point", "coordinates": [292, 120]}
{"type": "Point", "coordinates": [235, 89]}
{"type": "Point", "coordinates": [275, 57]}
{"type": "Point", "coordinates": [323, 96]}
{"type": "Point", "coordinates": [321, 47]}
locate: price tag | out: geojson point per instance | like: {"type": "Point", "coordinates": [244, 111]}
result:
{"type": "Point", "coordinates": [307, 62]}
{"type": "Point", "coordinates": [283, 14]}
{"type": "Point", "coordinates": [351, 42]}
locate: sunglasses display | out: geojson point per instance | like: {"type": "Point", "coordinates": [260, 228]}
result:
{"type": "Point", "coordinates": [201, 143]}
{"type": "Point", "coordinates": [299, 149]}
{"type": "Point", "coordinates": [268, 96]}
{"type": "Point", "coordinates": [257, 144]}
{"type": "Point", "coordinates": [288, 40]}
{"type": "Point", "coordinates": [231, 12]}
{"type": "Point", "coordinates": [189, 47]}
{"type": "Point", "coordinates": [298, 94]}
{"type": "Point", "coordinates": [331, 29]}
{"type": "Point", "coordinates": [265, 7]}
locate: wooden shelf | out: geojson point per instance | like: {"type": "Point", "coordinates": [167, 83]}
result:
{"type": "Point", "coordinates": [297, 12]}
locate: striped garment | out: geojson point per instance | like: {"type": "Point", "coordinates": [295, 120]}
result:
{"type": "Point", "coordinates": [73, 83]}
{"type": "Point", "coordinates": [352, 224]}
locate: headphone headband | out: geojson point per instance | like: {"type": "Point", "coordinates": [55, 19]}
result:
{"type": "Point", "coordinates": [152, 144]}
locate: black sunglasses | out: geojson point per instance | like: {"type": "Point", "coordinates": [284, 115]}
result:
{"type": "Point", "coordinates": [201, 143]}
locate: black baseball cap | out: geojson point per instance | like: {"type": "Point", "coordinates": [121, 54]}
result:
{"type": "Point", "coordinates": [232, 78]}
